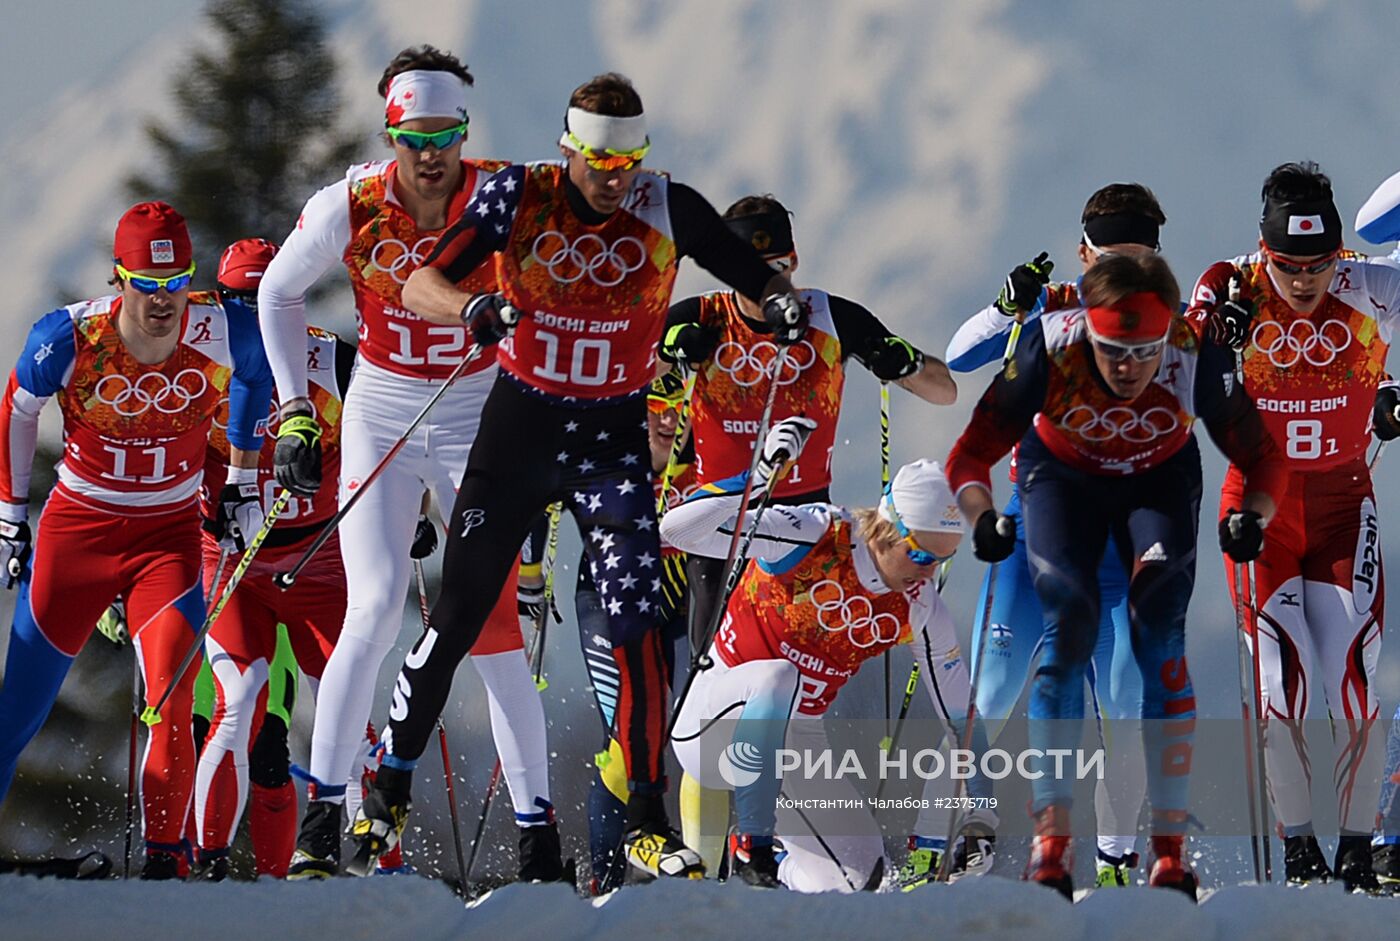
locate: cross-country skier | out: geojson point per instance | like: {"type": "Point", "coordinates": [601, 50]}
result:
{"type": "Point", "coordinates": [139, 376]}
{"type": "Point", "coordinates": [1378, 221]}
{"type": "Point", "coordinates": [607, 795]}
{"type": "Point", "coordinates": [1313, 329]}
{"type": "Point", "coordinates": [1121, 219]}
{"type": "Point", "coordinates": [1102, 400]}
{"type": "Point", "coordinates": [587, 253]}
{"type": "Point", "coordinates": [830, 589]}
{"type": "Point", "coordinates": [381, 221]}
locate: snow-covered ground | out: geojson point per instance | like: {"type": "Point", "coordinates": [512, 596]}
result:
{"type": "Point", "coordinates": [420, 910]}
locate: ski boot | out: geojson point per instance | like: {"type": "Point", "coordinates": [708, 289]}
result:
{"type": "Point", "coordinates": [652, 846]}
{"type": "Point", "coordinates": [1050, 863]}
{"type": "Point", "coordinates": [381, 819]}
{"type": "Point", "coordinates": [161, 865]}
{"type": "Point", "coordinates": [1385, 863]}
{"type": "Point", "coordinates": [922, 865]}
{"type": "Point", "coordinates": [215, 865]}
{"type": "Point", "coordinates": [1303, 862]}
{"type": "Point", "coordinates": [1354, 865]}
{"type": "Point", "coordinates": [1114, 871]}
{"type": "Point", "coordinates": [974, 851]}
{"type": "Point", "coordinates": [1170, 871]}
{"type": "Point", "coordinates": [317, 855]}
{"type": "Point", "coordinates": [540, 856]}
{"type": "Point", "coordinates": [753, 860]}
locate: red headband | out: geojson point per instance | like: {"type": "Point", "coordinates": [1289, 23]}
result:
{"type": "Point", "coordinates": [1136, 318]}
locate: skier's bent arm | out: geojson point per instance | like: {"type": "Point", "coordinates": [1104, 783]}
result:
{"type": "Point", "coordinates": [315, 245]}
{"type": "Point", "coordinates": [702, 235]}
{"type": "Point", "coordinates": [704, 525]}
{"type": "Point", "coordinates": [933, 382]}
{"type": "Point", "coordinates": [1236, 428]}
{"type": "Point", "coordinates": [431, 296]}
{"type": "Point", "coordinates": [45, 366]}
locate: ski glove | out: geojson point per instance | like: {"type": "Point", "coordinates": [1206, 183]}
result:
{"type": "Point", "coordinates": [15, 544]}
{"type": "Point", "coordinates": [1024, 284]}
{"type": "Point", "coordinates": [1228, 324]}
{"type": "Point", "coordinates": [787, 316]}
{"type": "Point", "coordinates": [296, 460]}
{"type": "Point", "coordinates": [688, 343]}
{"type": "Point", "coordinates": [238, 514]}
{"type": "Point", "coordinates": [993, 536]}
{"type": "Point", "coordinates": [892, 358]}
{"type": "Point", "coordinates": [783, 447]}
{"type": "Point", "coordinates": [490, 318]}
{"type": "Point", "coordinates": [529, 604]}
{"type": "Point", "coordinates": [425, 539]}
{"type": "Point", "coordinates": [1385, 419]}
{"type": "Point", "coordinates": [1242, 535]}
{"type": "Point", "coordinates": [112, 624]}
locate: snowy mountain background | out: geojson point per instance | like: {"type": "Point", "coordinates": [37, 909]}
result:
{"type": "Point", "coordinates": [924, 147]}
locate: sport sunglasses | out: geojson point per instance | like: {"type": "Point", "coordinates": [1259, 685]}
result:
{"type": "Point", "coordinates": [422, 140]}
{"type": "Point", "coordinates": [148, 285]}
{"type": "Point", "coordinates": [1138, 352]}
{"type": "Point", "coordinates": [1289, 267]}
{"type": "Point", "coordinates": [917, 554]}
{"type": "Point", "coordinates": [609, 160]}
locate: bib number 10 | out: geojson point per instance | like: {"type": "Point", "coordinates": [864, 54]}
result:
{"type": "Point", "coordinates": [1305, 441]}
{"type": "Point", "coordinates": [589, 362]}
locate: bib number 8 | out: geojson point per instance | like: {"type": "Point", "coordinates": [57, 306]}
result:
{"type": "Point", "coordinates": [1305, 441]}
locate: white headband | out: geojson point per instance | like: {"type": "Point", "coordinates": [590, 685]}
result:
{"type": "Point", "coordinates": [601, 132]}
{"type": "Point", "coordinates": [425, 94]}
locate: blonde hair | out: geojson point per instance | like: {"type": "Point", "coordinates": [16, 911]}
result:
{"type": "Point", "coordinates": [874, 529]}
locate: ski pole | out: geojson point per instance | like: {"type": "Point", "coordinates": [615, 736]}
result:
{"type": "Point", "coordinates": [737, 556]}
{"type": "Point", "coordinates": [970, 718]}
{"type": "Point", "coordinates": [1242, 655]}
{"type": "Point", "coordinates": [677, 444]}
{"type": "Point", "coordinates": [885, 742]}
{"type": "Point", "coordinates": [442, 737]}
{"type": "Point", "coordinates": [1259, 726]}
{"type": "Point", "coordinates": [151, 715]}
{"type": "Point", "coordinates": [284, 580]}
{"type": "Point", "coordinates": [218, 576]}
{"type": "Point", "coordinates": [131, 764]}
{"type": "Point", "coordinates": [1376, 458]}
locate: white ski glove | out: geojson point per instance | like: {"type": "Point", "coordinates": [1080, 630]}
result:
{"type": "Point", "coordinates": [15, 542]}
{"type": "Point", "coordinates": [783, 446]}
{"type": "Point", "coordinates": [239, 514]}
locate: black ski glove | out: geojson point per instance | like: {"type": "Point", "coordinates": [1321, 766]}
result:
{"type": "Point", "coordinates": [688, 343]}
{"type": "Point", "coordinates": [993, 536]}
{"type": "Point", "coordinates": [892, 358]}
{"type": "Point", "coordinates": [1023, 285]}
{"type": "Point", "coordinates": [1228, 324]}
{"type": "Point", "coordinates": [787, 316]}
{"type": "Point", "coordinates": [1385, 417]}
{"type": "Point", "coordinates": [1242, 535]}
{"type": "Point", "coordinates": [296, 460]}
{"type": "Point", "coordinates": [490, 318]}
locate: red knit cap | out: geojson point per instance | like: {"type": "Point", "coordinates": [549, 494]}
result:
{"type": "Point", "coordinates": [242, 265]}
{"type": "Point", "coordinates": [152, 235]}
{"type": "Point", "coordinates": [1137, 318]}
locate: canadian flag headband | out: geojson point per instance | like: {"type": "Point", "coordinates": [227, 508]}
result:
{"type": "Point", "coordinates": [424, 94]}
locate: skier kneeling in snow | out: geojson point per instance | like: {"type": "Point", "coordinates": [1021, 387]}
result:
{"type": "Point", "coordinates": [831, 589]}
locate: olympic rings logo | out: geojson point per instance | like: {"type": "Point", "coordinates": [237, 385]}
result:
{"type": "Point", "coordinates": [406, 261]}
{"type": "Point", "coordinates": [153, 390]}
{"type": "Point", "coordinates": [1120, 422]}
{"type": "Point", "coordinates": [748, 366]}
{"type": "Point", "coordinates": [1301, 340]}
{"type": "Point", "coordinates": [605, 265]}
{"type": "Point", "coordinates": [856, 616]}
